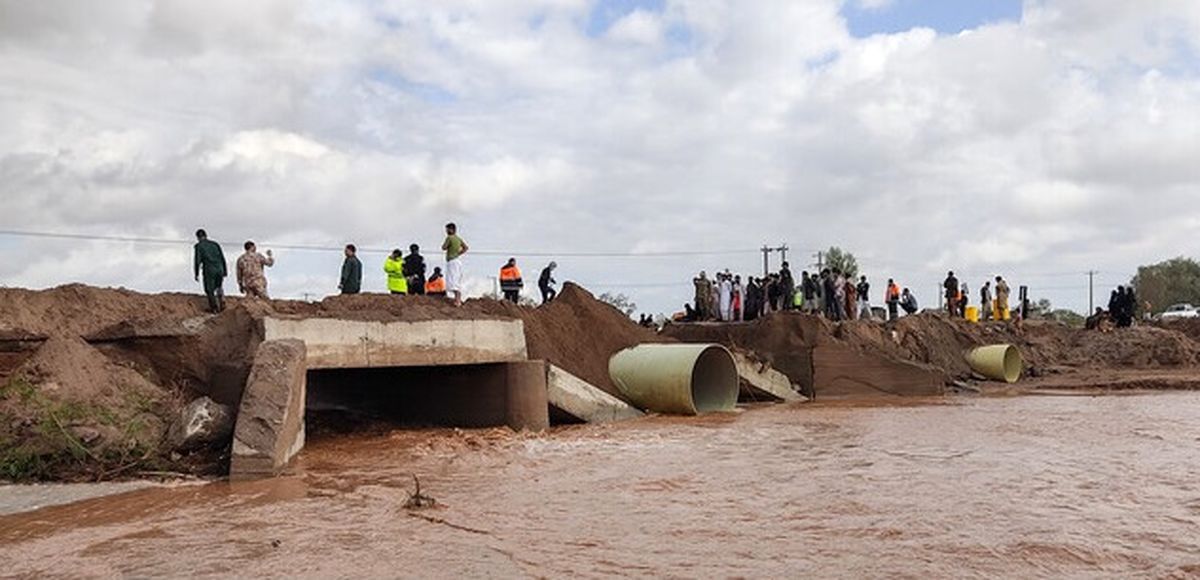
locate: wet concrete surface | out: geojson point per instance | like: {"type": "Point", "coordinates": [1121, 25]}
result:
{"type": "Point", "coordinates": [968, 487]}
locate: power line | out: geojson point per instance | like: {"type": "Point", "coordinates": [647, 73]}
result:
{"type": "Point", "coordinates": [319, 248]}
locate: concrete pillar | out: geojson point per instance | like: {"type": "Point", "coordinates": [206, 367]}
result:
{"type": "Point", "coordinates": [527, 404]}
{"type": "Point", "coordinates": [270, 422]}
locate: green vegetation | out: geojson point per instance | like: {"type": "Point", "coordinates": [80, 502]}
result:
{"type": "Point", "coordinates": [839, 259]}
{"type": "Point", "coordinates": [1175, 281]}
{"type": "Point", "coordinates": [43, 438]}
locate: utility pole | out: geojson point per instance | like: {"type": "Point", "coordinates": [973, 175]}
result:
{"type": "Point", "coordinates": [766, 261]}
{"type": "Point", "coordinates": [820, 256]}
{"type": "Point", "coordinates": [783, 250]}
{"type": "Point", "coordinates": [1091, 292]}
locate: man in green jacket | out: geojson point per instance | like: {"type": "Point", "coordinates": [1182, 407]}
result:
{"type": "Point", "coordinates": [210, 261]}
{"type": "Point", "coordinates": [351, 282]}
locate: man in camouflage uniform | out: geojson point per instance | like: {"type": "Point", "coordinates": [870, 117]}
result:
{"type": "Point", "coordinates": [251, 279]}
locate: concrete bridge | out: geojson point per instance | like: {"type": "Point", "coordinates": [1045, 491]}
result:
{"type": "Point", "coordinates": [461, 373]}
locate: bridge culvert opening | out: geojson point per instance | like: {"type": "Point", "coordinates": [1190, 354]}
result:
{"type": "Point", "coordinates": [341, 401]}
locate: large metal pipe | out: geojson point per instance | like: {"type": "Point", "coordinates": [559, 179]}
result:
{"type": "Point", "coordinates": [678, 379]}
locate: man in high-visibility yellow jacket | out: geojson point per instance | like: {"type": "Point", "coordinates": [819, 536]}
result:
{"type": "Point", "coordinates": [393, 266]}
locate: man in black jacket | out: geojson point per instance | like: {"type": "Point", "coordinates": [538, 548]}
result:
{"type": "Point", "coordinates": [546, 283]}
{"type": "Point", "coordinates": [787, 287]}
{"type": "Point", "coordinates": [951, 286]}
{"type": "Point", "coordinates": [351, 280]}
{"type": "Point", "coordinates": [414, 270]}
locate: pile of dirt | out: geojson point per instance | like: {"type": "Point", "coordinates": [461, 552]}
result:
{"type": "Point", "coordinates": [935, 340]}
{"type": "Point", "coordinates": [388, 308]}
{"type": "Point", "coordinates": [579, 333]}
{"type": "Point", "coordinates": [78, 310]}
{"type": "Point", "coordinates": [1187, 326]}
{"type": "Point", "coordinates": [72, 412]}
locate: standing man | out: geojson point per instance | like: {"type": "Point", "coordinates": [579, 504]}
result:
{"type": "Point", "coordinates": [864, 298]}
{"type": "Point", "coordinates": [351, 281]}
{"type": "Point", "coordinates": [414, 270]}
{"type": "Point", "coordinates": [951, 287]}
{"type": "Point", "coordinates": [725, 291]}
{"type": "Point", "coordinates": [892, 299]}
{"type": "Point", "coordinates": [985, 301]}
{"type": "Point", "coordinates": [251, 279]}
{"type": "Point", "coordinates": [393, 266]}
{"type": "Point", "coordinates": [1002, 292]}
{"type": "Point", "coordinates": [210, 261]}
{"type": "Point", "coordinates": [703, 290]}
{"type": "Point", "coordinates": [454, 247]}
{"type": "Point", "coordinates": [788, 286]}
{"type": "Point", "coordinates": [546, 283]}
{"type": "Point", "coordinates": [510, 281]}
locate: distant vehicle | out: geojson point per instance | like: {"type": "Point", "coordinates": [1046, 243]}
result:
{"type": "Point", "coordinates": [1180, 311]}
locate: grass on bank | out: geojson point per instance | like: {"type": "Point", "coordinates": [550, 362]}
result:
{"type": "Point", "coordinates": [42, 438]}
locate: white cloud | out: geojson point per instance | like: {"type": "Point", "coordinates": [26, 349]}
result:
{"type": "Point", "coordinates": [1062, 143]}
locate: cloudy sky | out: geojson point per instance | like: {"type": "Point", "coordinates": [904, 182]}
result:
{"type": "Point", "coordinates": [635, 141]}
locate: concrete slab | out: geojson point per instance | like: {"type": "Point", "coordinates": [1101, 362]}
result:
{"type": "Point", "coordinates": [270, 420]}
{"type": "Point", "coordinates": [843, 372]}
{"type": "Point", "coordinates": [764, 381]}
{"type": "Point", "coordinates": [336, 343]}
{"type": "Point", "coordinates": [583, 401]}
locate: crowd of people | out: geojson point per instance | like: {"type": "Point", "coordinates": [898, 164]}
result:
{"type": "Point", "coordinates": [405, 273]}
{"type": "Point", "coordinates": [829, 293]}
{"type": "Point", "coordinates": [958, 298]}
{"type": "Point", "coordinates": [1122, 311]}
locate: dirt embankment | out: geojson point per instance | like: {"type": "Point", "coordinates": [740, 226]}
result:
{"type": "Point", "coordinates": [92, 378]}
{"type": "Point", "coordinates": [799, 345]}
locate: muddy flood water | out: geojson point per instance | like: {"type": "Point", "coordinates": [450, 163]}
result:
{"type": "Point", "coordinates": [1016, 487]}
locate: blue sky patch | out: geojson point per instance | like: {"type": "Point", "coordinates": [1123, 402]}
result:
{"type": "Point", "coordinates": [944, 16]}
{"type": "Point", "coordinates": [606, 12]}
{"type": "Point", "coordinates": [428, 93]}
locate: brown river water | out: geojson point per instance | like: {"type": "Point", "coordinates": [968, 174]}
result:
{"type": "Point", "coordinates": [968, 487]}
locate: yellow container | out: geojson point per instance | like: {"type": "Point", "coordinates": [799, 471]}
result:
{"type": "Point", "coordinates": [972, 314]}
{"type": "Point", "coordinates": [1001, 362]}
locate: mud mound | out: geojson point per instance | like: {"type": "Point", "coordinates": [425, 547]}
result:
{"type": "Point", "coordinates": [579, 333]}
{"type": "Point", "coordinates": [388, 308]}
{"type": "Point", "coordinates": [1190, 327]}
{"type": "Point", "coordinates": [76, 371]}
{"type": "Point", "coordinates": [78, 310]}
{"type": "Point", "coordinates": [1143, 347]}
{"type": "Point", "coordinates": [71, 412]}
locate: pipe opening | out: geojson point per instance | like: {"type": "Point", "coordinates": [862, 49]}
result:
{"type": "Point", "coordinates": [712, 378]}
{"type": "Point", "coordinates": [1012, 364]}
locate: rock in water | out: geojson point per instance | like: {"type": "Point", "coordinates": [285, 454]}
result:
{"type": "Point", "coordinates": [202, 423]}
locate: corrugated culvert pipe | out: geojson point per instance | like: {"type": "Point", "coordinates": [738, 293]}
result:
{"type": "Point", "coordinates": [677, 379]}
